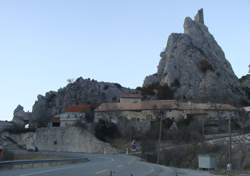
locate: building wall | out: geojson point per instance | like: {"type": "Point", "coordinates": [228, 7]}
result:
{"type": "Point", "coordinates": [130, 100]}
{"type": "Point", "coordinates": [164, 104]}
{"type": "Point", "coordinates": [70, 118]}
{"type": "Point", "coordinates": [61, 140]}
{"type": "Point", "coordinates": [140, 121]}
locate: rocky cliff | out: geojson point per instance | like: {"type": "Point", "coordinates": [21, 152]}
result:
{"type": "Point", "coordinates": [193, 67]}
{"type": "Point", "coordinates": [245, 84]}
{"type": "Point", "coordinates": [80, 91]}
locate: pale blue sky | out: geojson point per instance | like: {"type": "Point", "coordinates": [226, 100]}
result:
{"type": "Point", "coordinates": [45, 42]}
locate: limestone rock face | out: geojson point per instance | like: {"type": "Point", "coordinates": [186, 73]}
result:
{"type": "Point", "coordinates": [20, 117]}
{"type": "Point", "coordinates": [5, 125]}
{"type": "Point", "coordinates": [80, 91]}
{"type": "Point", "coordinates": [245, 81]}
{"type": "Point", "coordinates": [194, 67]}
{"type": "Point", "coordinates": [245, 84]}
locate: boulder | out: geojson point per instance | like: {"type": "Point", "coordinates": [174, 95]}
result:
{"type": "Point", "coordinates": [20, 117]}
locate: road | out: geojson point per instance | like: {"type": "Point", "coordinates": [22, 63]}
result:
{"type": "Point", "coordinates": [102, 165]}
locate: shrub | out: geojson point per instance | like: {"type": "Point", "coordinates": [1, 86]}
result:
{"type": "Point", "coordinates": [118, 85]}
{"type": "Point", "coordinates": [106, 131]}
{"type": "Point", "coordinates": [162, 92]}
{"type": "Point", "coordinates": [204, 66]}
{"type": "Point", "coordinates": [176, 83]}
{"type": "Point", "coordinates": [106, 87]}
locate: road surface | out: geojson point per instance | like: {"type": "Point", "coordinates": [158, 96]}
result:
{"type": "Point", "coordinates": [103, 165]}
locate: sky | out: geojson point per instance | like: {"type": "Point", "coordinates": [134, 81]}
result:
{"type": "Point", "coordinates": [45, 42]}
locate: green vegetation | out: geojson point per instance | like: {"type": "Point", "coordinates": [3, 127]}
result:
{"type": "Point", "coordinates": [106, 131]}
{"type": "Point", "coordinates": [161, 92]}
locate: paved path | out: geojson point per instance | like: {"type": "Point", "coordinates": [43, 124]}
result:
{"type": "Point", "coordinates": [102, 165]}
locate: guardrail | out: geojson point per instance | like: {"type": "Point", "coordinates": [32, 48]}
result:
{"type": "Point", "coordinates": [39, 163]}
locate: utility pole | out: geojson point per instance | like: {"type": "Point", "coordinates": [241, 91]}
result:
{"type": "Point", "coordinates": [229, 164]}
{"type": "Point", "coordinates": [159, 138]}
{"type": "Point", "coordinates": [230, 140]}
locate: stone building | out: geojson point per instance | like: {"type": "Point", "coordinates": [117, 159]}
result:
{"type": "Point", "coordinates": [71, 116]}
{"type": "Point", "coordinates": [137, 116]}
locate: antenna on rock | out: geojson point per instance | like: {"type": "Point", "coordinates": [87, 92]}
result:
{"type": "Point", "coordinates": [199, 17]}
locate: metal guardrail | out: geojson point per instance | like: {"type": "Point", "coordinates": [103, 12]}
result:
{"type": "Point", "coordinates": [49, 161]}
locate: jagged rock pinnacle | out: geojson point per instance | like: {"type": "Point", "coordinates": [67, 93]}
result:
{"type": "Point", "coordinates": [194, 67]}
{"type": "Point", "coordinates": [199, 17]}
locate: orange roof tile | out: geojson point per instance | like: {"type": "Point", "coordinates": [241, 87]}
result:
{"type": "Point", "coordinates": [79, 108]}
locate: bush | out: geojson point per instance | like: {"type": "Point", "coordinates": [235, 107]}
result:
{"type": "Point", "coordinates": [162, 92]}
{"type": "Point", "coordinates": [189, 131]}
{"type": "Point", "coordinates": [106, 131]}
{"type": "Point", "coordinates": [106, 87]}
{"type": "Point", "coordinates": [204, 66]}
{"type": "Point", "coordinates": [118, 85]}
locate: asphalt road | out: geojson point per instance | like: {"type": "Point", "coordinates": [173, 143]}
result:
{"type": "Point", "coordinates": [103, 165]}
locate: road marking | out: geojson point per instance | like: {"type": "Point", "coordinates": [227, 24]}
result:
{"type": "Point", "coordinates": [101, 171]}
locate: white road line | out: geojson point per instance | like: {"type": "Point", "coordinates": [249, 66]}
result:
{"type": "Point", "coordinates": [46, 171]}
{"type": "Point", "coordinates": [101, 171]}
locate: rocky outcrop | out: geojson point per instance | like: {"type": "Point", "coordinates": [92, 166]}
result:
{"type": "Point", "coordinates": [20, 117]}
{"type": "Point", "coordinates": [245, 84]}
{"type": "Point", "coordinates": [194, 67]}
{"type": "Point", "coordinates": [245, 81]}
{"type": "Point", "coordinates": [80, 91]}
{"type": "Point", "coordinates": [5, 126]}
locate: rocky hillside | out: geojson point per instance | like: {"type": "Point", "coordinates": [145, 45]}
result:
{"type": "Point", "coordinates": [80, 91]}
{"type": "Point", "coordinates": [193, 67]}
{"type": "Point", "coordinates": [245, 84]}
